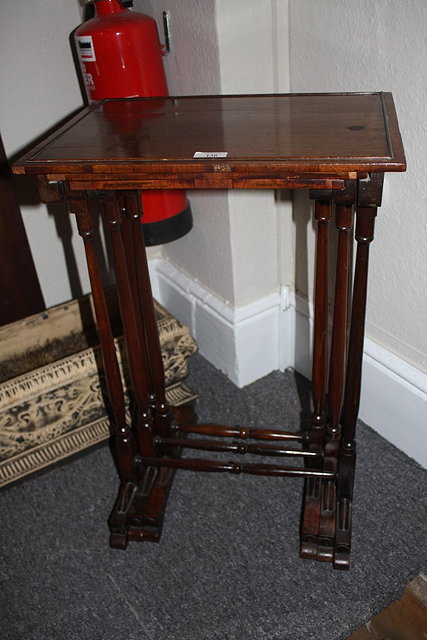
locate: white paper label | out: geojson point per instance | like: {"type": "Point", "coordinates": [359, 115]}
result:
{"type": "Point", "coordinates": [210, 154]}
{"type": "Point", "coordinates": [86, 49]}
{"type": "Point", "coordinates": [88, 78]}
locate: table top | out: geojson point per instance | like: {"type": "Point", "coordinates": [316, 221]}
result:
{"type": "Point", "coordinates": [205, 141]}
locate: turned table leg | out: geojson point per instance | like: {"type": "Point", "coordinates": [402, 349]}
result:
{"type": "Point", "coordinates": [152, 415]}
{"type": "Point", "coordinates": [132, 328]}
{"type": "Point", "coordinates": [369, 194]}
{"type": "Point", "coordinates": [144, 441]}
{"type": "Point", "coordinates": [327, 503]}
{"type": "Point", "coordinates": [144, 488]}
{"type": "Point", "coordinates": [365, 220]}
{"type": "Point", "coordinates": [343, 222]}
{"type": "Point", "coordinates": [123, 442]}
{"type": "Point", "coordinates": [313, 486]}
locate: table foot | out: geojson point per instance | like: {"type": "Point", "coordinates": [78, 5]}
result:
{"type": "Point", "coordinates": [343, 534]}
{"type": "Point", "coordinates": [118, 521]}
{"type": "Point", "coordinates": [310, 518]}
{"type": "Point", "coordinates": [325, 534]}
{"type": "Point", "coordinates": [327, 524]}
{"type": "Point", "coordinates": [137, 513]}
{"type": "Point", "coordinates": [139, 509]}
{"type": "Point", "coordinates": [342, 558]}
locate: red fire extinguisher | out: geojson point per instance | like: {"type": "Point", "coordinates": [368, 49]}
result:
{"type": "Point", "coordinates": [120, 57]}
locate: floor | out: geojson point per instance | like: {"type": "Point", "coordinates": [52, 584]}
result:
{"type": "Point", "coordinates": [227, 566]}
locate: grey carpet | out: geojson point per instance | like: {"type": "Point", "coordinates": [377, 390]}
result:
{"type": "Point", "coordinates": [227, 566]}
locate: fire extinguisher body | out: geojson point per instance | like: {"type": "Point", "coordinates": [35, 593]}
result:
{"type": "Point", "coordinates": [120, 57]}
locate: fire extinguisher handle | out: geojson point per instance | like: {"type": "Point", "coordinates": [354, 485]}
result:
{"type": "Point", "coordinates": [165, 48]}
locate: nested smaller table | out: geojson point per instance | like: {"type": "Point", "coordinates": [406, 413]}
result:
{"type": "Point", "coordinates": [336, 146]}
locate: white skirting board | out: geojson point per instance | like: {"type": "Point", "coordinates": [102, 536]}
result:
{"type": "Point", "coordinates": [275, 333]}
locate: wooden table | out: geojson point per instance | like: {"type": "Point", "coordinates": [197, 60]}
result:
{"type": "Point", "coordinates": [336, 146]}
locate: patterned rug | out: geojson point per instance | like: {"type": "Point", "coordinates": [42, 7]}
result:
{"type": "Point", "coordinates": [51, 388]}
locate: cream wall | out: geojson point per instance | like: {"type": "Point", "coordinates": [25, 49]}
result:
{"type": "Point", "coordinates": [248, 34]}
{"type": "Point", "coordinates": [228, 47]}
{"type": "Point", "coordinates": [231, 247]}
{"type": "Point", "coordinates": [242, 245]}
{"type": "Point", "coordinates": [193, 67]}
{"type": "Point", "coordinates": [371, 46]}
{"type": "Point", "coordinates": [38, 89]}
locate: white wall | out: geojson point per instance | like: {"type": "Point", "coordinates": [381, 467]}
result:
{"type": "Point", "coordinates": [371, 46]}
{"type": "Point", "coordinates": [210, 54]}
{"type": "Point", "coordinates": [38, 89]}
{"type": "Point", "coordinates": [241, 247]}
{"type": "Point", "coordinates": [192, 68]}
{"type": "Point", "coordinates": [228, 47]}
{"type": "Point", "coordinates": [248, 47]}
